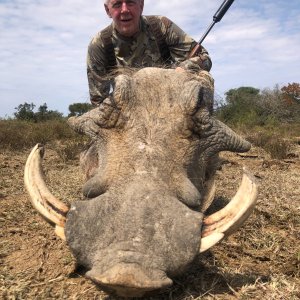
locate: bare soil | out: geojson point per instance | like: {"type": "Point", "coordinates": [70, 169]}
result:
{"type": "Point", "coordinates": [260, 261]}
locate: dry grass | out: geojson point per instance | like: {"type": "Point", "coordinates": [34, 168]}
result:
{"type": "Point", "coordinates": [17, 134]}
{"type": "Point", "coordinates": [277, 146]}
{"type": "Point", "coordinates": [261, 261]}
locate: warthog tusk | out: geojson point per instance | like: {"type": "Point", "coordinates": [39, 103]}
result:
{"type": "Point", "coordinates": [52, 209]}
{"type": "Point", "coordinates": [210, 190]}
{"type": "Point", "coordinates": [227, 220]}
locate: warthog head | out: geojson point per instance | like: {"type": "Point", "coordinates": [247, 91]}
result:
{"type": "Point", "coordinates": [149, 179]}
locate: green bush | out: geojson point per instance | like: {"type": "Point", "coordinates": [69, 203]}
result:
{"type": "Point", "coordinates": [250, 107]}
{"type": "Point", "coordinates": [26, 112]}
{"type": "Point", "coordinates": [264, 117]}
{"type": "Point", "coordinates": [77, 109]}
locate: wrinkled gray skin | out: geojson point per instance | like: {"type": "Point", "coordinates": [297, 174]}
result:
{"type": "Point", "coordinates": [155, 144]}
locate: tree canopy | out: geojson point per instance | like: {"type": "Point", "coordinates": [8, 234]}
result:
{"type": "Point", "coordinates": [251, 106]}
{"type": "Point", "coordinates": [26, 112]}
{"type": "Point", "coordinates": [77, 109]}
{"type": "Point", "coordinates": [291, 92]}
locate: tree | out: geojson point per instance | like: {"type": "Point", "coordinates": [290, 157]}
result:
{"type": "Point", "coordinates": [77, 109]}
{"type": "Point", "coordinates": [25, 112]}
{"type": "Point", "coordinates": [251, 107]}
{"type": "Point", "coordinates": [291, 93]}
{"type": "Point", "coordinates": [244, 94]}
{"type": "Point", "coordinates": [241, 106]}
{"type": "Point", "coordinates": [43, 114]}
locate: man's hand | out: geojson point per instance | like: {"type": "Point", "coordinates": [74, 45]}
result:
{"type": "Point", "coordinates": [196, 64]}
{"type": "Point", "coordinates": [204, 76]}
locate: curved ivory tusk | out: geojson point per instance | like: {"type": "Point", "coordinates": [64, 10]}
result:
{"type": "Point", "coordinates": [210, 190]}
{"type": "Point", "coordinates": [227, 220]}
{"type": "Point", "coordinates": [53, 210]}
{"type": "Point", "coordinates": [60, 232]}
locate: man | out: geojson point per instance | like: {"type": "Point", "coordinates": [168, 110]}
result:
{"type": "Point", "coordinates": [138, 41]}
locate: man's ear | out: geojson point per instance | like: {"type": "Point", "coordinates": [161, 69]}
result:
{"type": "Point", "coordinates": [107, 10]}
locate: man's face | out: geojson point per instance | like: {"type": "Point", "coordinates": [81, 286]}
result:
{"type": "Point", "coordinates": [126, 15]}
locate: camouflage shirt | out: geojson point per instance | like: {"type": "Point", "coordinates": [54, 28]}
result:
{"type": "Point", "coordinates": [141, 50]}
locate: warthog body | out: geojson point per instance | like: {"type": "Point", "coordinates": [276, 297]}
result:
{"type": "Point", "coordinates": [149, 179]}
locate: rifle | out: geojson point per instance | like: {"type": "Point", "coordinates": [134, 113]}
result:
{"type": "Point", "coordinates": [216, 18]}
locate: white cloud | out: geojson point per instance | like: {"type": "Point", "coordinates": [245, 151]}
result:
{"type": "Point", "coordinates": [43, 45]}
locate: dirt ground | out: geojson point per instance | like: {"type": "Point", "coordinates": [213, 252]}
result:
{"type": "Point", "coordinates": [260, 261]}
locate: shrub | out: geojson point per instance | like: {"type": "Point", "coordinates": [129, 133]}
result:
{"type": "Point", "coordinates": [240, 107]}
{"type": "Point", "coordinates": [69, 149]}
{"type": "Point", "coordinates": [277, 146]}
{"type": "Point", "coordinates": [19, 134]}
{"type": "Point", "coordinates": [26, 112]}
{"type": "Point", "coordinates": [251, 107]}
{"type": "Point", "coordinates": [77, 109]}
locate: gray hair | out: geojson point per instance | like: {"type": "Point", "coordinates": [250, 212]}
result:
{"type": "Point", "coordinates": [107, 1]}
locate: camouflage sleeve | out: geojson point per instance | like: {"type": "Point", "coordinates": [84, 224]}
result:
{"type": "Point", "coordinates": [181, 44]}
{"type": "Point", "coordinates": [96, 72]}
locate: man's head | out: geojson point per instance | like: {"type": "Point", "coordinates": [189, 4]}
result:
{"type": "Point", "coordinates": [125, 14]}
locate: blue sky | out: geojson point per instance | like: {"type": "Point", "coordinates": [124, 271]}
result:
{"type": "Point", "coordinates": [43, 45]}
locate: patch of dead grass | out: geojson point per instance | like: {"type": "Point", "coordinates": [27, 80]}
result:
{"type": "Point", "coordinates": [260, 261]}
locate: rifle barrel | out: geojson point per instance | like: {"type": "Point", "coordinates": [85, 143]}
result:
{"type": "Point", "coordinates": [216, 18]}
{"type": "Point", "coordinates": [206, 32]}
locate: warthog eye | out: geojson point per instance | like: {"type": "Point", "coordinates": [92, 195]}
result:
{"type": "Point", "coordinates": [111, 87]}
{"type": "Point", "coordinates": [205, 99]}
{"type": "Point", "coordinates": [195, 96]}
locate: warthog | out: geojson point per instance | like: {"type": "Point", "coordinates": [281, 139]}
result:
{"type": "Point", "coordinates": [149, 180]}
